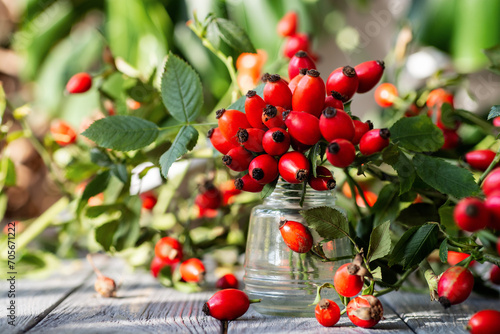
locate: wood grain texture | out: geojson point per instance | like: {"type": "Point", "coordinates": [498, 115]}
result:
{"type": "Point", "coordinates": [142, 306]}
{"type": "Point", "coordinates": [254, 322]}
{"type": "Point", "coordinates": [424, 316]}
{"type": "Point", "coordinates": [36, 298]}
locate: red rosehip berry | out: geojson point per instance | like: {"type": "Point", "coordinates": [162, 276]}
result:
{"type": "Point", "coordinates": [228, 281]}
{"type": "Point", "coordinates": [327, 312]}
{"type": "Point", "coordinates": [209, 197]}
{"type": "Point", "coordinates": [369, 74]}
{"type": "Point", "coordinates": [347, 285]}
{"type": "Point", "coordinates": [254, 106]}
{"type": "Point", "coordinates": [299, 61]}
{"type": "Point", "coordinates": [157, 265]}
{"type": "Point", "coordinates": [62, 132]}
{"type": "Point", "coordinates": [251, 139]}
{"type": "Point", "coordinates": [496, 121]}
{"type": "Point", "coordinates": [294, 167]}
{"type": "Point", "coordinates": [484, 322]}
{"type": "Point", "coordinates": [454, 258]}
{"type": "Point", "coordinates": [374, 141]}
{"type": "Point", "coordinates": [471, 214]}
{"type": "Point", "coordinates": [360, 128]}
{"type": "Point", "coordinates": [492, 182]}
{"type": "Point", "coordinates": [341, 153]}
{"type": "Point", "coordinates": [230, 121]}
{"type": "Point", "coordinates": [455, 286]}
{"type": "Point", "coordinates": [248, 184]}
{"type": "Point", "coordinates": [451, 139]}
{"type": "Point", "coordinates": [79, 83]}
{"type": "Point", "coordinates": [287, 26]}
{"type": "Point", "coordinates": [294, 82]}
{"type": "Point", "coordinates": [276, 91]}
{"type": "Point", "coordinates": [385, 94]}
{"type": "Point", "coordinates": [298, 146]}
{"type": "Point", "coordinates": [495, 275]}
{"type": "Point", "coordinates": [148, 200]}
{"type": "Point", "coordinates": [342, 83]}
{"type": "Point", "coordinates": [365, 311]}
{"type": "Point", "coordinates": [263, 169]}
{"type": "Point", "coordinates": [218, 141]}
{"type": "Point", "coordinates": [192, 270]}
{"type": "Point", "coordinates": [168, 250]}
{"type": "Point", "coordinates": [303, 127]}
{"type": "Point", "coordinates": [331, 101]}
{"type": "Point", "coordinates": [335, 124]}
{"type": "Point", "coordinates": [276, 141]}
{"type": "Point", "coordinates": [237, 159]}
{"type": "Point", "coordinates": [272, 117]}
{"type": "Point", "coordinates": [309, 94]}
{"type": "Point", "coordinates": [296, 236]}
{"type": "Point", "coordinates": [437, 97]}
{"type": "Point", "coordinates": [323, 181]}
{"type": "Point", "coordinates": [479, 159]}
{"type": "Point", "coordinates": [227, 304]}
{"type": "Point", "coordinates": [492, 204]}
{"type": "Point", "coordinates": [294, 43]}
{"type": "Point", "coordinates": [228, 191]}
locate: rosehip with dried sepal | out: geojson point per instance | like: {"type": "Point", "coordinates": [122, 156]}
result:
{"type": "Point", "coordinates": [276, 141]}
{"type": "Point", "coordinates": [248, 184]}
{"type": "Point", "coordinates": [334, 124]}
{"type": "Point", "coordinates": [237, 159]}
{"type": "Point", "coordinates": [295, 81]}
{"type": "Point", "coordinates": [342, 83]}
{"type": "Point", "coordinates": [227, 304]}
{"type": "Point", "coordinates": [228, 281]}
{"type": "Point", "coordinates": [309, 94]}
{"type": "Point", "coordinates": [79, 83]}
{"type": "Point", "coordinates": [230, 121]}
{"type": "Point", "coordinates": [296, 236]}
{"type": "Point", "coordinates": [470, 214]}
{"type": "Point", "coordinates": [303, 127]}
{"type": "Point", "coordinates": [294, 167]}
{"type": "Point", "coordinates": [149, 200]}
{"type": "Point", "coordinates": [484, 322]}
{"type": "Point", "coordinates": [103, 285]}
{"type": "Point", "coordinates": [385, 94]}
{"type": "Point", "coordinates": [369, 74]}
{"type": "Point", "coordinates": [254, 106]}
{"type": "Point", "coordinates": [219, 142]}
{"type": "Point", "coordinates": [294, 43]}
{"type": "Point", "coordinates": [251, 139]}
{"type": "Point", "coordinates": [479, 159]}
{"type": "Point", "coordinates": [209, 197]}
{"type": "Point", "coordinates": [341, 153]}
{"type": "Point", "coordinates": [287, 26]}
{"type": "Point", "coordinates": [374, 141]}
{"type": "Point", "coordinates": [276, 91]}
{"type": "Point", "coordinates": [455, 286]}
{"type": "Point", "coordinates": [347, 285]}
{"type": "Point", "coordinates": [323, 180]}
{"type": "Point", "coordinates": [300, 61]}
{"type": "Point", "coordinates": [331, 101]}
{"type": "Point", "coordinates": [272, 117]}
{"type": "Point", "coordinates": [263, 169]}
{"type": "Point", "coordinates": [360, 128]}
{"type": "Point", "coordinates": [365, 311]}
{"type": "Point", "coordinates": [192, 270]}
{"type": "Point", "coordinates": [327, 312]}
{"type": "Point", "coordinates": [169, 250]}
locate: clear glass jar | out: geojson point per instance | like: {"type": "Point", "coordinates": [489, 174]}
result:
{"type": "Point", "coordinates": [286, 281]}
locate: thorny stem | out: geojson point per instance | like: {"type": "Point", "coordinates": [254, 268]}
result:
{"type": "Point", "coordinates": [396, 285]}
{"type": "Point", "coordinates": [495, 162]}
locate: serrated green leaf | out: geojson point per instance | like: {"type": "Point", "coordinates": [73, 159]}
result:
{"type": "Point", "coordinates": [444, 177]}
{"type": "Point", "coordinates": [122, 133]}
{"type": "Point", "coordinates": [105, 233]}
{"type": "Point", "coordinates": [417, 134]}
{"type": "Point", "coordinates": [418, 214]}
{"type": "Point", "coordinates": [402, 165]}
{"type": "Point", "coordinates": [380, 242]}
{"type": "Point", "coordinates": [443, 251]}
{"type": "Point", "coordinates": [184, 141]}
{"type": "Point", "coordinates": [268, 189]}
{"type": "Point", "coordinates": [233, 35]}
{"type": "Point", "coordinates": [181, 90]}
{"type": "Point", "coordinates": [415, 245]}
{"type": "Point", "coordinates": [494, 112]}
{"type": "Point", "coordinates": [313, 157]}
{"type": "Point", "coordinates": [80, 171]}
{"type": "Point", "coordinates": [96, 186]}
{"type": "Point", "coordinates": [328, 222]}
{"type": "Point", "coordinates": [239, 104]}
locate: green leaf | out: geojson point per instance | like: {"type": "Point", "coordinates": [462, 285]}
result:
{"type": "Point", "coordinates": [387, 205]}
{"type": "Point", "coordinates": [268, 189]}
{"type": "Point", "coordinates": [141, 92]}
{"type": "Point", "coordinates": [120, 171]}
{"type": "Point", "coordinates": [448, 116]}
{"type": "Point", "coordinates": [122, 133]}
{"type": "Point", "coordinates": [11, 176]}
{"type": "Point", "coordinates": [233, 35]}
{"type": "Point", "coordinates": [96, 186]}
{"type": "Point", "coordinates": [417, 134]}
{"type": "Point", "coordinates": [100, 158]}
{"type": "Point", "coordinates": [402, 165]}
{"type": "Point", "coordinates": [313, 156]}
{"type": "Point", "coordinates": [380, 242]}
{"type": "Point", "coordinates": [184, 141]}
{"type": "Point", "coordinates": [80, 171]}
{"type": "Point", "coordinates": [418, 214]}
{"type": "Point", "coordinates": [328, 222]}
{"type": "Point", "coordinates": [444, 177]}
{"type": "Point", "coordinates": [443, 251]}
{"type": "Point", "coordinates": [415, 245]}
{"type": "Point", "coordinates": [447, 221]}
{"type": "Point", "coordinates": [239, 104]}
{"type": "Point", "coordinates": [181, 90]}
{"type": "Point", "coordinates": [494, 112]}
{"type": "Point", "coordinates": [105, 234]}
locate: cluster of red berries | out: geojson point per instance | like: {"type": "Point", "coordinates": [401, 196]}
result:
{"type": "Point", "coordinates": [294, 41]}
{"type": "Point", "coordinates": [298, 114]}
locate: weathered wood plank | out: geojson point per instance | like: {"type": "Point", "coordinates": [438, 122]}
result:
{"type": "Point", "coordinates": [142, 305]}
{"type": "Point", "coordinates": [34, 299]}
{"type": "Point", "coordinates": [254, 322]}
{"type": "Point", "coordinates": [424, 316]}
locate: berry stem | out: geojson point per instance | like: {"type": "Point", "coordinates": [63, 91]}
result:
{"type": "Point", "coordinates": [96, 270]}
{"type": "Point", "coordinates": [253, 301]}
{"type": "Point", "coordinates": [487, 127]}
{"type": "Point", "coordinates": [396, 285]}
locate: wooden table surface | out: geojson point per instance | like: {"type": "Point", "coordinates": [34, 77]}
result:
{"type": "Point", "coordinates": [67, 303]}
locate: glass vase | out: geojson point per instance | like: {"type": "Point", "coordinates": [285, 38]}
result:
{"type": "Point", "coordinates": [286, 281]}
